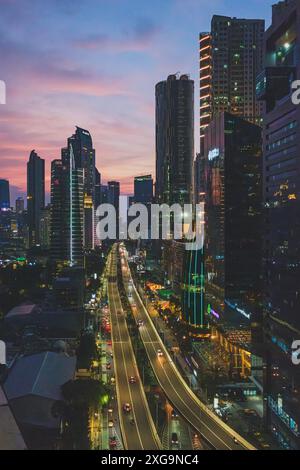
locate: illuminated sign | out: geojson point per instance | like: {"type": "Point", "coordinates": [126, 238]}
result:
{"type": "Point", "coordinates": [212, 154]}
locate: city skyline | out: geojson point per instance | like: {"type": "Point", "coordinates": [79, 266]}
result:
{"type": "Point", "coordinates": [50, 79]}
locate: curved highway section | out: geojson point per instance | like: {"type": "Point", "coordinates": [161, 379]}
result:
{"type": "Point", "coordinates": [212, 428]}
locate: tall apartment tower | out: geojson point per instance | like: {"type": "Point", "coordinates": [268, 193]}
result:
{"type": "Point", "coordinates": [174, 140]}
{"type": "Point", "coordinates": [281, 175]}
{"type": "Point", "coordinates": [231, 56]}
{"type": "Point", "coordinates": [35, 196]}
{"type": "Point", "coordinates": [67, 211]}
{"type": "Point", "coordinates": [84, 158]}
{"type": "Point", "coordinates": [4, 195]}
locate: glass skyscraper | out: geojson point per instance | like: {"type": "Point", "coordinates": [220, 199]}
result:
{"type": "Point", "coordinates": [281, 173]}
{"type": "Point", "coordinates": [35, 196]}
{"type": "Point", "coordinates": [233, 217]}
{"type": "Point", "coordinates": [4, 194]}
{"type": "Point", "coordinates": [174, 140]}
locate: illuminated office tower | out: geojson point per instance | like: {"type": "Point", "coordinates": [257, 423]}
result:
{"type": "Point", "coordinates": [233, 218]}
{"type": "Point", "coordinates": [20, 205]}
{"type": "Point", "coordinates": [67, 211]}
{"type": "Point", "coordinates": [174, 140]}
{"type": "Point", "coordinates": [4, 195]}
{"type": "Point", "coordinates": [35, 196]}
{"type": "Point", "coordinates": [84, 158]}
{"type": "Point", "coordinates": [193, 289]}
{"type": "Point", "coordinates": [230, 58]}
{"type": "Point", "coordinates": [281, 173]}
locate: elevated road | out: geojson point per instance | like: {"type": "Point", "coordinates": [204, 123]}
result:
{"type": "Point", "coordinates": [137, 427]}
{"type": "Point", "coordinates": [212, 428]}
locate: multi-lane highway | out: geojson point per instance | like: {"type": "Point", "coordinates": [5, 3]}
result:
{"type": "Point", "coordinates": [137, 427]}
{"type": "Point", "coordinates": [217, 433]}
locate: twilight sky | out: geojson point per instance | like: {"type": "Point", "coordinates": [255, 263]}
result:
{"type": "Point", "coordinates": [95, 63]}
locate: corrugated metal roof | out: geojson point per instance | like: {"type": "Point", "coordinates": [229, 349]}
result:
{"type": "Point", "coordinates": [40, 374]}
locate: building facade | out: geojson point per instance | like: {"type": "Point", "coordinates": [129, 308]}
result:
{"type": "Point", "coordinates": [230, 56]}
{"type": "Point", "coordinates": [67, 211]}
{"type": "Point", "coordinates": [174, 140]}
{"type": "Point", "coordinates": [4, 194]}
{"type": "Point", "coordinates": [81, 146]}
{"type": "Point", "coordinates": [233, 213]}
{"type": "Point", "coordinates": [281, 174]}
{"type": "Point", "coordinates": [143, 189]}
{"type": "Point", "coordinates": [35, 196]}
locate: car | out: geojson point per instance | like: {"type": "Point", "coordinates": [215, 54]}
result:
{"type": "Point", "coordinates": [108, 366]}
{"type": "Point", "coordinates": [235, 441]}
{"type": "Point", "coordinates": [160, 353]}
{"type": "Point", "coordinates": [174, 438]}
{"type": "Point", "coordinates": [132, 379]}
{"type": "Point", "coordinates": [110, 423]}
{"type": "Point", "coordinates": [140, 323]}
{"type": "Point", "coordinates": [127, 407]}
{"type": "Point", "coordinates": [174, 414]}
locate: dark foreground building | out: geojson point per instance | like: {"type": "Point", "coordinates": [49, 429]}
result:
{"type": "Point", "coordinates": [233, 209]}
{"type": "Point", "coordinates": [281, 173]}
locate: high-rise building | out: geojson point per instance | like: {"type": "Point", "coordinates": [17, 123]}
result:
{"type": "Point", "coordinates": [199, 179]}
{"type": "Point", "coordinates": [174, 140]}
{"type": "Point", "coordinates": [45, 227]}
{"type": "Point", "coordinates": [84, 158]}
{"type": "Point", "coordinates": [231, 56]}
{"type": "Point", "coordinates": [143, 189]}
{"type": "Point", "coordinates": [281, 175]}
{"type": "Point", "coordinates": [104, 194]}
{"type": "Point", "coordinates": [59, 213]}
{"type": "Point", "coordinates": [4, 194]}
{"type": "Point", "coordinates": [113, 188]}
{"type": "Point", "coordinates": [35, 196]}
{"type": "Point", "coordinates": [19, 205]}
{"type": "Point", "coordinates": [67, 211]}
{"type": "Point", "coordinates": [97, 188]}
{"type": "Point", "coordinates": [192, 301]}
{"type": "Point", "coordinates": [233, 213]}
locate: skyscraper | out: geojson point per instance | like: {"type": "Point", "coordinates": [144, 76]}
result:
{"type": "Point", "coordinates": [59, 214]}
{"type": "Point", "coordinates": [84, 158]}
{"type": "Point", "coordinates": [4, 194]}
{"type": "Point", "coordinates": [143, 189]}
{"type": "Point", "coordinates": [281, 173]}
{"type": "Point", "coordinates": [174, 140]}
{"type": "Point", "coordinates": [35, 196]}
{"type": "Point", "coordinates": [231, 56]}
{"type": "Point", "coordinates": [192, 300]}
{"type": "Point", "coordinates": [113, 194]}
{"type": "Point", "coordinates": [19, 205]}
{"type": "Point", "coordinates": [233, 217]}
{"type": "Point", "coordinates": [67, 211]}
{"type": "Point", "coordinates": [97, 188]}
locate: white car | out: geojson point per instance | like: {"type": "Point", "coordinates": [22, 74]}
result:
{"type": "Point", "coordinates": [160, 353]}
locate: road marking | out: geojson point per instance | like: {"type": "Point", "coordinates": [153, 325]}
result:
{"type": "Point", "coordinates": [126, 370]}
{"type": "Point", "coordinates": [177, 375]}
